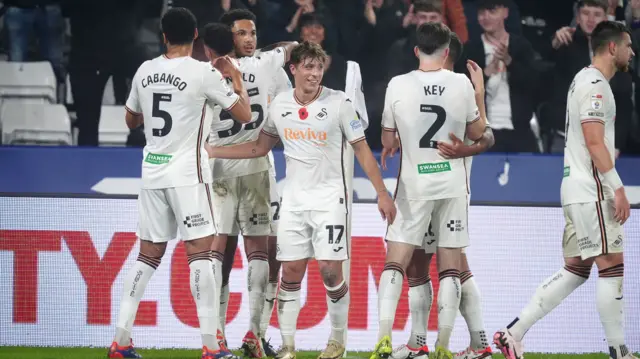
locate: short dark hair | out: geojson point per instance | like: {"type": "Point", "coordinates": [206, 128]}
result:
{"type": "Point", "coordinates": [455, 48]}
{"type": "Point", "coordinates": [218, 37]}
{"type": "Point", "coordinates": [431, 37]}
{"type": "Point", "coordinates": [310, 19]}
{"type": "Point", "coordinates": [307, 50]}
{"type": "Point", "coordinates": [230, 17]}
{"type": "Point", "coordinates": [603, 4]}
{"type": "Point", "coordinates": [427, 6]}
{"type": "Point", "coordinates": [179, 26]}
{"type": "Point", "coordinates": [606, 32]}
{"type": "Point", "coordinates": [492, 4]}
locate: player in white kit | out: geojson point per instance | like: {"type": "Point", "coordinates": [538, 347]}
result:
{"type": "Point", "coordinates": [593, 200]}
{"type": "Point", "coordinates": [423, 108]}
{"type": "Point", "coordinates": [241, 187]}
{"type": "Point", "coordinates": [315, 124]}
{"type": "Point", "coordinates": [168, 94]}
{"type": "Point", "coordinates": [418, 278]}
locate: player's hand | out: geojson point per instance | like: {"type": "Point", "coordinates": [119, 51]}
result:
{"type": "Point", "coordinates": [226, 66]}
{"type": "Point", "coordinates": [389, 152]}
{"type": "Point", "coordinates": [563, 37]}
{"type": "Point", "coordinates": [455, 149]}
{"type": "Point", "coordinates": [477, 77]}
{"type": "Point", "coordinates": [209, 149]}
{"type": "Point", "coordinates": [387, 207]}
{"type": "Point", "coordinates": [622, 206]}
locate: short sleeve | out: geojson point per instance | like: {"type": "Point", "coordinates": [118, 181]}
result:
{"type": "Point", "coordinates": [269, 127]}
{"type": "Point", "coordinates": [592, 104]}
{"type": "Point", "coordinates": [215, 89]}
{"type": "Point", "coordinates": [472, 112]}
{"type": "Point", "coordinates": [274, 59]}
{"type": "Point", "coordinates": [133, 102]}
{"type": "Point", "coordinates": [388, 115]}
{"type": "Point", "coordinates": [280, 83]}
{"type": "Point", "coordinates": [351, 125]}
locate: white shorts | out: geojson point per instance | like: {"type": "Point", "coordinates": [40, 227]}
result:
{"type": "Point", "coordinates": [591, 230]}
{"type": "Point", "coordinates": [313, 234]}
{"type": "Point", "coordinates": [185, 211]}
{"type": "Point", "coordinates": [241, 204]}
{"type": "Point", "coordinates": [429, 242]}
{"type": "Point", "coordinates": [449, 218]}
{"type": "Point", "coordinates": [276, 200]}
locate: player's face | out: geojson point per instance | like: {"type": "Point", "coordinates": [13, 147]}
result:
{"type": "Point", "coordinates": [313, 33]}
{"type": "Point", "coordinates": [244, 37]}
{"type": "Point", "coordinates": [589, 17]}
{"type": "Point", "coordinates": [492, 20]}
{"type": "Point", "coordinates": [624, 53]}
{"type": "Point", "coordinates": [308, 74]}
{"type": "Point", "coordinates": [425, 17]}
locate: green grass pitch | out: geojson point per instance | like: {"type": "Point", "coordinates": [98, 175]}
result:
{"type": "Point", "coordinates": [100, 353]}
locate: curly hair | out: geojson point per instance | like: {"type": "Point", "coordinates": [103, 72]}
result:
{"type": "Point", "coordinates": [307, 50]}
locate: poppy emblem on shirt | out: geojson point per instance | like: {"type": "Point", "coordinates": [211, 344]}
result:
{"type": "Point", "coordinates": [303, 114]}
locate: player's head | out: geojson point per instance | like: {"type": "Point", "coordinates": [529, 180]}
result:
{"type": "Point", "coordinates": [455, 51]}
{"type": "Point", "coordinates": [307, 66]}
{"type": "Point", "coordinates": [243, 25]}
{"type": "Point", "coordinates": [312, 28]}
{"type": "Point", "coordinates": [432, 40]}
{"type": "Point", "coordinates": [611, 39]}
{"type": "Point", "coordinates": [218, 40]}
{"type": "Point", "coordinates": [590, 14]}
{"type": "Point", "coordinates": [179, 27]}
{"type": "Point", "coordinates": [427, 11]}
{"type": "Point", "coordinates": [492, 14]}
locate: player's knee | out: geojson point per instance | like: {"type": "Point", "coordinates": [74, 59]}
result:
{"type": "Point", "coordinates": [581, 270]}
{"type": "Point", "coordinates": [153, 262]}
{"type": "Point", "coordinates": [152, 250]}
{"type": "Point", "coordinates": [331, 272]}
{"type": "Point", "coordinates": [612, 271]}
{"type": "Point", "coordinates": [294, 271]}
{"type": "Point", "coordinates": [611, 260]}
{"type": "Point", "coordinates": [449, 259]}
{"type": "Point", "coordinates": [399, 253]}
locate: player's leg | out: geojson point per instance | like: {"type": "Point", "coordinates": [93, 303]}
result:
{"type": "Point", "coordinates": [227, 265]}
{"type": "Point", "coordinates": [331, 249]}
{"type": "Point", "coordinates": [553, 290]}
{"type": "Point", "coordinates": [403, 236]}
{"type": "Point", "coordinates": [295, 248]}
{"type": "Point", "coordinates": [450, 227]}
{"type": "Point", "coordinates": [471, 310]}
{"type": "Point", "coordinates": [254, 217]}
{"type": "Point", "coordinates": [193, 209]}
{"type": "Point", "coordinates": [156, 226]}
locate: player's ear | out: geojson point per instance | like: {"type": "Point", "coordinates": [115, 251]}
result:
{"type": "Point", "coordinates": [164, 38]}
{"type": "Point", "coordinates": [446, 53]}
{"type": "Point", "coordinates": [416, 51]}
{"type": "Point", "coordinates": [292, 68]}
{"type": "Point", "coordinates": [195, 34]}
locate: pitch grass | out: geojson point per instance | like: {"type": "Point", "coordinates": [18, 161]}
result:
{"type": "Point", "coordinates": [100, 353]}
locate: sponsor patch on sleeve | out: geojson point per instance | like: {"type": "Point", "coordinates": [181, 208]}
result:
{"type": "Point", "coordinates": [597, 101]}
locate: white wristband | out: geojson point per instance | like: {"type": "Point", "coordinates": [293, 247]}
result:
{"type": "Point", "coordinates": [612, 179]}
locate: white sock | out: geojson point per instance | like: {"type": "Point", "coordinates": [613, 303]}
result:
{"type": "Point", "coordinates": [267, 310]}
{"type": "Point", "coordinates": [420, 298]}
{"type": "Point", "coordinates": [448, 304]}
{"type": "Point", "coordinates": [389, 292]}
{"type": "Point", "coordinates": [610, 302]}
{"type": "Point", "coordinates": [203, 291]}
{"type": "Point", "coordinates": [257, 278]}
{"type": "Point", "coordinates": [548, 296]}
{"type": "Point", "coordinates": [288, 311]}
{"type": "Point", "coordinates": [471, 310]}
{"type": "Point", "coordinates": [134, 285]}
{"type": "Point", "coordinates": [224, 304]}
{"type": "Point", "coordinates": [338, 300]}
{"type": "Point", "coordinates": [216, 264]}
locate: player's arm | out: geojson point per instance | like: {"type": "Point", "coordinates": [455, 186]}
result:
{"type": "Point", "coordinates": [390, 140]}
{"type": "Point", "coordinates": [133, 115]}
{"type": "Point", "coordinates": [286, 45]}
{"type": "Point", "coordinates": [476, 119]}
{"type": "Point", "coordinates": [235, 101]}
{"type": "Point", "coordinates": [253, 149]}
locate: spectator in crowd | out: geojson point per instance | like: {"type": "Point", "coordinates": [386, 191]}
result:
{"type": "Point", "coordinates": [104, 43]}
{"type": "Point", "coordinates": [285, 24]}
{"type": "Point", "coordinates": [512, 23]}
{"type": "Point", "coordinates": [43, 16]}
{"type": "Point", "coordinates": [573, 52]}
{"type": "Point", "coordinates": [510, 76]}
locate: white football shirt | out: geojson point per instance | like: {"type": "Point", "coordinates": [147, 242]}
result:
{"type": "Point", "coordinates": [424, 107]}
{"type": "Point", "coordinates": [171, 94]}
{"type": "Point", "coordinates": [279, 84]}
{"type": "Point", "coordinates": [589, 100]}
{"type": "Point", "coordinates": [314, 136]}
{"type": "Point", "coordinates": [257, 74]}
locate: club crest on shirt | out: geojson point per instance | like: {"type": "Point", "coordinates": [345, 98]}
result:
{"type": "Point", "coordinates": [322, 114]}
{"type": "Point", "coordinates": [596, 101]}
{"type": "Point", "coordinates": [355, 124]}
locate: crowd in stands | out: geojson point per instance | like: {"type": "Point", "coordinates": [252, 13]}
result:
{"type": "Point", "coordinates": [529, 50]}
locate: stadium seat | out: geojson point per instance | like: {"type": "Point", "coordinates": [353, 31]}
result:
{"type": "Point", "coordinates": [113, 129]}
{"type": "Point", "coordinates": [28, 79]}
{"type": "Point", "coordinates": [108, 97]}
{"type": "Point", "coordinates": [34, 121]}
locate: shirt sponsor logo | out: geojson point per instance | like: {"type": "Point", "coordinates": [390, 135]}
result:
{"type": "Point", "coordinates": [157, 159]}
{"type": "Point", "coordinates": [567, 171]}
{"type": "Point", "coordinates": [308, 134]}
{"type": "Point", "coordinates": [596, 101]}
{"type": "Point", "coordinates": [427, 168]}
{"type": "Point", "coordinates": [355, 124]}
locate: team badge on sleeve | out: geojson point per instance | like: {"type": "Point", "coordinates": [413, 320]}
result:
{"type": "Point", "coordinates": [596, 101]}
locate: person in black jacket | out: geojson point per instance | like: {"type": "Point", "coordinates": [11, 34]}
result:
{"type": "Point", "coordinates": [508, 62]}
